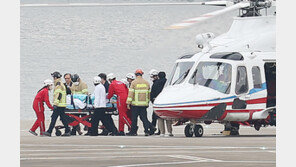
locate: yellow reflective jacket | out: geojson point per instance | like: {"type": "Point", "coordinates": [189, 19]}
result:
{"type": "Point", "coordinates": [79, 89]}
{"type": "Point", "coordinates": [139, 92]}
{"type": "Point", "coordinates": [59, 94]}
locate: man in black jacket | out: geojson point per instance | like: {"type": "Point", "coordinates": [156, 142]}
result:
{"type": "Point", "coordinates": [156, 88]}
{"type": "Point", "coordinates": [68, 83]}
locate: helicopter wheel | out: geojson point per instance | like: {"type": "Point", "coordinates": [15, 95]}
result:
{"type": "Point", "coordinates": [198, 131]}
{"type": "Point", "coordinates": [189, 130]}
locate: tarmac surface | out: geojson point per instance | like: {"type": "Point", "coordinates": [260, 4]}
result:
{"type": "Point", "coordinates": [250, 148]}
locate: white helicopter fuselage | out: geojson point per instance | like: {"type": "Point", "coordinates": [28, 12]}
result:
{"type": "Point", "coordinates": [244, 56]}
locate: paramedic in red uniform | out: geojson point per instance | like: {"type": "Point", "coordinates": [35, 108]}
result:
{"type": "Point", "coordinates": [120, 89]}
{"type": "Point", "coordinates": [41, 97]}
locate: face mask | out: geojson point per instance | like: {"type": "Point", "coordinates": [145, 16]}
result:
{"type": "Point", "coordinates": [76, 83]}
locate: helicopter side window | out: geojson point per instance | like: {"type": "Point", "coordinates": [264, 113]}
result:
{"type": "Point", "coordinates": [180, 72]}
{"type": "Point", "coordinates": [215, 75]}
{"type": "Point", "coordinates": [241, 80]}
{"type": "Point", "coordinates": [256, 77]}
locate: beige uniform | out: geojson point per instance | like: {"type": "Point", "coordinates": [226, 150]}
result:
{"type": "Point", "coordinates": [79, 89]}
{"type": "Point", "coordinates": [139, 92]}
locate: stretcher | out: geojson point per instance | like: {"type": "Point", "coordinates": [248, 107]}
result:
{"type": "Point", "coordinates": [77, 115]}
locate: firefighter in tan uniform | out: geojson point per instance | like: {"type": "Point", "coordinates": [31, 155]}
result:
{"type": "Point", "coordinates": [138, 101]}
{"type": "Point", "coordinates": [78, 87]}
{"type": "Point", "coordinates": [59, 105]}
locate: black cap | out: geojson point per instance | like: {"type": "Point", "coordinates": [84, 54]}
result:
{"type": "Point", "coordinates": [75, 78]}
{"type": "Point", "coordinates": [56, 74]}
{"type": "Point", "coordinates": [103, 76]}
{"type": "Point", "coordinates": [161, 74]}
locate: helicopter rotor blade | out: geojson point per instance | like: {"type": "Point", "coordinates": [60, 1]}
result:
{"type": "Point", "coordinates": [218, 3]}
{"type": "Point", "coordinates": [207, 16]}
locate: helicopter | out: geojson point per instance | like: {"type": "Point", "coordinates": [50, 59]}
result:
{"type": "Point", "coordinates": [232, 80]}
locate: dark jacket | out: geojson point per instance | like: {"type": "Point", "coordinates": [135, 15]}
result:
{"type": "Point", "coordinates": [157, 86]}
{"type": "Point", "coordinates": [68, 90]}
{"type": "Point", "coordinates": [106, 85]}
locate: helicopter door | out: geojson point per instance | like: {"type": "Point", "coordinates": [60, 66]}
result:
{"type": "Point", "coordinates": [241, 88]}
{"type": "Point", "coordinates": [257, 88]}
{"type": "Point", "coordinates": [270, 76]}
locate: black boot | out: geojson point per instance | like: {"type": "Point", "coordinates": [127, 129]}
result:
{"type": "Point", "coordinates": [105, 132]}
{"type": "Point", "coordinates": [152, 130]}
{"type": "Point", "coordinates": [73, 131]}
{"type": "Point", "coordinates": [121, 134]}
{"type": "Point", "coordinates": [132, 133]}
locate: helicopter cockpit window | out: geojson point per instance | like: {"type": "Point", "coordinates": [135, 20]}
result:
{"type": "Point", "coordinates": [180, 72]}
{"type": "Point", "coordinates": [215, 75]}
{"type": "Point", "coordinates": [256, 77]}
{"type": "Point", "coordinates": [241, 80]}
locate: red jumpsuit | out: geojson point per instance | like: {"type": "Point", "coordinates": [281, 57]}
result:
{"type": "Point", "coordinates": [120, 89]}
{"type": "Point", "coordinates": [42, 96]}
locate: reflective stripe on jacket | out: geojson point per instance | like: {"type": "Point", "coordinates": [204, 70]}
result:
{"type": "Point", "coordinates": [79, 89]}
{"type": "Point", "coordinates": [59, 94]}
{"type": "Point", "coordinates": [139, 92]}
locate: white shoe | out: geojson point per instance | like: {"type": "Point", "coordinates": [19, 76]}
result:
{"type": "Point", "coordinates": [161, 135]}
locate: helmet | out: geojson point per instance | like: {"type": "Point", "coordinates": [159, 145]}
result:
{"type": "Point", "coordinates": [47, 82]}
{"type": "Point", "coordinates": [111, 76]}
{"type": "Point", "coordinates": [56, 74]}
{"type": "Point", "coordinates": [153, 72]}
{"type": "Point", "coordinates": [75, 78]}
{"type": "Point", "coordinates": [130, 76]}
{"type": "Point", "coordinates": [97, 80]}
{"type": "Point", "coordinates": [139, 71]}
{"type": "Point", "coordinates": [124, 81]}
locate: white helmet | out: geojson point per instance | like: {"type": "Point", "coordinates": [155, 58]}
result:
{"type": "Point", "coordinates": [131, 76]}
{"type": "Point", "coordinates": [124, 81]}
{"type": "Point", "coordinates": [111, 76]}
{"type": "Point", "coordinates": [47, 82]}
{"type": "Point", "coordinates": [153, 72]}
{"type": "Point", "coordinates": [97, 80]}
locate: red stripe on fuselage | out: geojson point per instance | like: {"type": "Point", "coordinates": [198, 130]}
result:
{"type": "Point", "coordinates": [253, 101]}
{"type": "Point", "coordinates": [199, 113]}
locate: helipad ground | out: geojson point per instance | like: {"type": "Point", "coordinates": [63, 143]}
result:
{"type": "Point", "coordinates": [251, 148]}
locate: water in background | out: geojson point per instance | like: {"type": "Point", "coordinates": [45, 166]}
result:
{"type": "Point", "coordinates": [91, 40]}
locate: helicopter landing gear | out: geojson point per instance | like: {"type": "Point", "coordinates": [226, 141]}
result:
{"type": "Point", "coordinates": [198, 131]}
{"type": "Point", "coordinates": [191, 129]}
{"type": "Point", "coordinates": [231, 129]}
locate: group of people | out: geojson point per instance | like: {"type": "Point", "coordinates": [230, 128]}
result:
{"type": "Point", "coordinates": [133, 97]}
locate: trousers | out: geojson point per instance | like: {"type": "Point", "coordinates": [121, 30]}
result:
{"type": "Point", "coordinates": [161, 125]}
{"type": "Point", "coordinates": [59, 111]}
{"type": "Point", "coordinates": [99, 115]}
{"type": "Point", "coordinates": [142, 112]}
{"type": "Point", "coordinates": [124, 119]}
{"type": "Point", "coordinates": [39, 110]}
